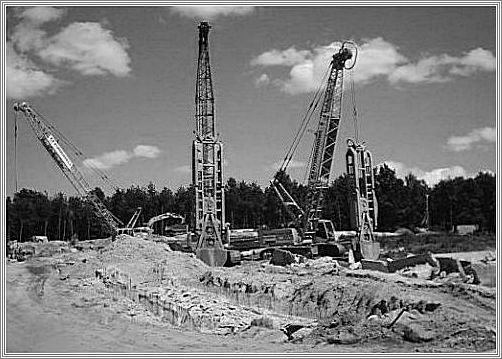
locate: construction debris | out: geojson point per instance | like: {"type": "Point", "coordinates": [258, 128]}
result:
{"type": "Point", "coordinates": [315, 301]}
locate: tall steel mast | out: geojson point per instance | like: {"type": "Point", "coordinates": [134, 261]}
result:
{"type": "Point", "coordinates": [207, 164]}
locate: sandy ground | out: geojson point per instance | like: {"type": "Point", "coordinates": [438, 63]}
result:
{"type": "Point", "coordinates": [41, 318]}
{"type": "Point", "coordinates": [56, 304]}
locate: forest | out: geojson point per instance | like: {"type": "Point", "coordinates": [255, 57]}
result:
{"type": "Point", "coordinates": [401, 204]}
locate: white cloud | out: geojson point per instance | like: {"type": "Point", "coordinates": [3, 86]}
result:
{"type": "Point", "coordinates": [431, 177]}
{"type": "Point", "coordinates": [26, 37]}
{"type": "Point", "coordinates": [462, 143]}
{"type": "Point", "coordinates": [24, 79]}
{"type": "Point", "coordinates": [442, 68]}
{"type": "Point", "coordinates": [211, 12]}
{"type": "Point", "coordinates": [86, 47]}
{"type": "Point", "coordinates": [111, 159]}
{"type": "Point", "coordinates": [108, 159]}
{"type": "Point", "coordinates": [263, 80]}
{"type": "Point", "coordinates": [146, 151]}
{"type": "Point", "coordinates": [293, 164]}
{"type": "Point", "coordinates": [41, 14]}
{"type": "Point", "coordinates": [377, 58]}
{"type": "Point", "coordinates": [287, 57]}
{"type": "Point", "coordinates": [89, 49]}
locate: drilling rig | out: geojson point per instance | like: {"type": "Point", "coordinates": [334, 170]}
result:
{"type": "Point", "coordinates": [207, 165]}
{"type": "Point", "coordinates": [51, 139]}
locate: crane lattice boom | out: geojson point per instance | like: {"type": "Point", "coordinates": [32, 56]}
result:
{"type": "Point", "coordinates": [323, 150]}
{"type": "Point", "coordinates": [50, 142]}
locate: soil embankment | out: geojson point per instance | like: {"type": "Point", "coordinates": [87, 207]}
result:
{"type": "Point", "coordinates": [140, 296]}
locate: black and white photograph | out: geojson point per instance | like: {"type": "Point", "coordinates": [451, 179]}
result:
{"type": "Point", "coordinates": [235, 179]}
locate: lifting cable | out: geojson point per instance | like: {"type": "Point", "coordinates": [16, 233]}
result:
{"type": "Point", "coordinates": [79, 154]}
{"type": "Point", "coordinates": [354, 107]}
{"type": "Point", "coordinates": [304, 123]}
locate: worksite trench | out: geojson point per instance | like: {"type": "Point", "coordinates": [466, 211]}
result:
{"type": "Point", "coordinates": [316, 306]}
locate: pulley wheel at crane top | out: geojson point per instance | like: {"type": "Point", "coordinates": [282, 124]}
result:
{"type": "Point", "coordinates": [370, 249]}
{"type": "Point", "coordinates": [213, 257]}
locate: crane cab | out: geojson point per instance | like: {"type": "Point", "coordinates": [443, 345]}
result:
{"type": "Point", "coordinates": [325, 232]}
{"type": "Point", "coordinates": [321, 232]}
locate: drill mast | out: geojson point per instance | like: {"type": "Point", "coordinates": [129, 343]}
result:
{"type": "Point", "coordinates": [207, 159]}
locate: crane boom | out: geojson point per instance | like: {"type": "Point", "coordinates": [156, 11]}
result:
{"type": "Point", "coordinates": [50, 142]}
{"type": "Point", "coordinates": [322, 154]}
{"type": "Point", "coordinates": [323, 150]}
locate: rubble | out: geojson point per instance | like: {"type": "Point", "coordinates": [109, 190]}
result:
{"type": "Point", "coordinates": [282, 257]}
{"type": "Point", "coordinates": [417, 334]}
{"type": "Point", "coordinates": [320, 300]}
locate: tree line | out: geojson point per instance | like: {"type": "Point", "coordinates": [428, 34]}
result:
{"type": "Point", "coordinates": [401, 202]}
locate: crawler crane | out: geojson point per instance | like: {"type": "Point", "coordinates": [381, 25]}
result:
{"type": "Point", "coordinates": [48, 136]}
{"type": "Point", "coordinates": [313, 230]}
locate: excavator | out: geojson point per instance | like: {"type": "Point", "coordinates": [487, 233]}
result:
{"type": "Point", "coordinates": [51, 140]}
{"type": "Point", "coordinates": [177, 225]}
{"type": "Point", "coordinates": [314, 231]}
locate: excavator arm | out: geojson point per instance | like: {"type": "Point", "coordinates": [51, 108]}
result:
{"type": "Point", "coordinates": [167, 215]}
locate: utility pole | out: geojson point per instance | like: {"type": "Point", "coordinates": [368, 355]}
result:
{"type": "Point", "coordinates": [207, 164]}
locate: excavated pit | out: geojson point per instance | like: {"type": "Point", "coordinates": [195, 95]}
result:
{"type": "Point", "coordinates": [146, 281]}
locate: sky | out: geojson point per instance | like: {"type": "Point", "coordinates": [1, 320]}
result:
{"type": "Point", "coordinates": [119, 83]}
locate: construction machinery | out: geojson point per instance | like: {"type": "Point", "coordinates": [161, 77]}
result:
{"type": "Point", "coordinates": [313, 230]}
{"type": "Point", "coordinates": [176, 226]}
{"type": "Point", "coordinates": [51, 139]}
{"type": "Point", "coordinates": [129, 228]}
{"type": "Point", "coordinates": [363, 201]}
{"type": "Point", "coordinates": [207, 165]}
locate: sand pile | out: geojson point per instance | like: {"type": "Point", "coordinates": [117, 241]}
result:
{"type": "Point", "coordinates": [148, 261]}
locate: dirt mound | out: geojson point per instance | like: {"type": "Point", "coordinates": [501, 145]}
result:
{"type": "Point", "coordinates": [147, 261]}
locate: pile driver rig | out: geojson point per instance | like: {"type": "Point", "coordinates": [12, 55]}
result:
{"type": "Point", "coordinates": [207, 165]}
{"type": "Point", "coordinates": [51, 140]}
